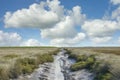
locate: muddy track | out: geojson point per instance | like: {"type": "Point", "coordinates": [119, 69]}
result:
{"type": "Point", "coordinates": [59, 70]}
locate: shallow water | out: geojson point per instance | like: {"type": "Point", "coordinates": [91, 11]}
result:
{"type": "Point", "coordinates": [59, 70]}
{"type": "Point", "coordinates": [58, 63]}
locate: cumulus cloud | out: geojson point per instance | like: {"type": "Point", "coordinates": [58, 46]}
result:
{"type": "Point", "coordinates": [55, 6]}
{"type": "Point", "coordinates": [66, 27]}
{"type": "Point", "coordinates": [115, 2]}
{"type": "Point", "coordinates": [35, 16]}
{"type": "Point", "coordinates": [100, 28]}
{"type": "Point", "coordinates": [30, 42]}
{"type": "Point", "coordinates": [118, 40]}
{"type": "Point", "coordinates": [9, 39]}
{"type": "Point", "coordinates": [65, 32]}
{"type": "Point", "coordinates": [77, 16]}
{"type": "Point", "coordinates": [116, 16]}
{"type": "Point", "coordinates": [68, 41]}
{"type": "Point", "coordinates": [14, 39]}
{"type": "Point", "coordinates": [59, 24]}
{"type": "Point", "coordinates": [99, 40]}
{"type": "Point", "coordinates": [63, 29]}
{"type": "Point", "coordinates": [53, 20]}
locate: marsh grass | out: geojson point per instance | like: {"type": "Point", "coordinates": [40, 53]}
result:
{"type": "Point", "coordinates": [22, 66]}
{"type": "Point", "coordinates": [112, 51]}
{"type": "Point", "coordinates": [83, 62]}
{"type": "Point", "coordinates": [10, 56]}
{"type": "Point", "coordinates": [4, 73]}
{"type": "Point", "coordinates": [87, 61]}
{"type": "Point", "coordinates": [44, 58]}
{"type": "Point", "coordinates": [28, 65]}
{"type": "Point", "coordinates": [23, 60]}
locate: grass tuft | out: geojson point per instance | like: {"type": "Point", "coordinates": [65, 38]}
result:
{"type": "Point", "coordinates": [10, 56]}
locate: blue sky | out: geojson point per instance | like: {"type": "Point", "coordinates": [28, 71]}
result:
{"type": "Point", "coordinates": [60, 23]}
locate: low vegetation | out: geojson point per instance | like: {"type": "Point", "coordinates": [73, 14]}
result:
{"type": "Point", "coordinates": [4, 74]}
{"type": "Point", "coordinates": [16, 61]}
{"type": "Point", "coordinates": [24, 64]}
{"type": "Point", "coordinates": [83, 62]}
{"type": "Point", "coordinates": [10, 56]}
{"type": "Point", "coordinates": [101, 70]}
{"type": "Point", "coordinates": [111, 51]}
{"type": "Point", "coordinates": [44, 58]}
{"type": "Point", "coordinates": [27, 65]}
{"type": "Point", "coordinates": [90, 63]}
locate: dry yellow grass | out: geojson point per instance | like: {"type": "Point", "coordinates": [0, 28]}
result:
{"type": "Point", "coordinates": [106, 54]}
{"type": "Point", "coordinates": [9, 56]}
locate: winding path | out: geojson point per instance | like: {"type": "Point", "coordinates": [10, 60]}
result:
{"type": "Point", "coordinates": [59, 70]}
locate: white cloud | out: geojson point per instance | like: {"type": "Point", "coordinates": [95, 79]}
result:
{"type": "Point", "coordinates": [63, 29]}
{"type": "Point", "coordinates": [115, 2]}
{"type": "Point", "coordinates": [64, 33]}
{"type": "Point", "coordinates": [100, 28]}
{"type": "Point", "coordinates": [100, 31]}
{"type": "Point", "coordinates": [68, 41]}
{"type": "Point", "coordinates": [59, 24]}
{"type": "Point", "coordinates": [99, 40]}
{"type": "Point", "coordinates": [55, 6]}
{"type": "Point", "coordinates": [14, 39]}
{"type": "Point", "coordinates": [31, 42]}
{"type": "Point", "coordinates": [77, 16]}
{"type": "Point", "coordinates": [53, 20]}
{"type": "Point", "coordinates": [119, 40]}
{"type": "Point", "coordinates": [9, 39]}
{"type": "Point", "coordinates": [116, 16]}
{"type": "Point", "coordinates": [35, 16]}
{"type": "Point", "coordinates": [66, 27]}
{"type": "Point", "coordinates": [50, 17]}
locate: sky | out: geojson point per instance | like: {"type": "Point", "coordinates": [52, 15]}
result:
{"type": "Point", "coordinates": [75, 23]}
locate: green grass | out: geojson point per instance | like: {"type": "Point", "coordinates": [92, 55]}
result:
{"type": "Point", "coordinates": [83, 62]}
{"type": "Point", "coordinates": [10, 56]}
{"type": "Point", "coordinates": [89, 62]}
{"type": "Point", "coordinates": [78, 65]}
{"type": "Point", "coordinates": [102, 72]}
{"type": "Point", "coordinates": [99, 68]}
{"type": "Point", "coordinates": [44, 58]}
{"type": "Point", "coordinates": [23, 60]}
{"type": "Point", "coordinates": [112, 51]}
{"type": "Point", "coordinates": [4, 74]}
{"type": "Point", "coordinates": [27, 65]}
